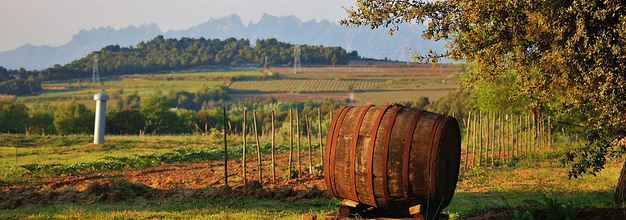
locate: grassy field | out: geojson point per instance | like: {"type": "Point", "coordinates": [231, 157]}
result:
{"type": "Point", "coordinates": [179, 209]}
{"type": "Point", "coordinates": [83, 92]}
{"type": "Point", "coordinates": [371, 84]}
{"type": "Point", "coordinates": [478, 188]}
{"type": "Point", "coordinates": [77, 148]}
{"type": "Point", "coordinates": [142, 84]}
{"type": "Point", "coordinates": [388, 97]}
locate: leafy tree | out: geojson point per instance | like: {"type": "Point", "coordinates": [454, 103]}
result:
{"type": "Point", "coordinates": [5, 74]}
{"type": "Point", "coordinates": [41, 123]}
{"type": "Point", "coordinates": [18, 82]}
{"type": "Point", "coordinates": [129, 102]}
{"type": "Point", "coordinates": [567, 55]}
{"type": "Point", "coordinates": [127, 121]}
{"type": "Point", "coordinates": [419, 103]}
{"type": "Point", "coordinates": [204, 97]}
{"type": "Point", "coordinates": [159, 118]}
{"type": "Point", "coordinates": [209, 118]}
{"type": "Point", "coordinates": [185, 122]}
{"type": "Point", "coordinates": [499, 95]}
{"type": "Point", "coordinates": [458, 104]}
{"type": "Point", "coordinates": [73, 118]}
{"type": "Point", "coordinates": [14, 117]}
{"type": "Point", "coordinates": [19, 86]}
{"type": "Point", "coordinates": [42, 119]}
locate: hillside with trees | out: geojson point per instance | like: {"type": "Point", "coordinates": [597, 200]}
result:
{"type": "Point", "coordinates": [160, 54]}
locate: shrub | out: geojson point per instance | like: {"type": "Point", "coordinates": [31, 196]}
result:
{"type": "Point", "coordinates": [127, 121]}
{"type": "Point", "coordinates": [73, 118]}
{"type": "Point", "coordinates": [546, 208]}
{"type": "Point", "coordinates": [14, 117]}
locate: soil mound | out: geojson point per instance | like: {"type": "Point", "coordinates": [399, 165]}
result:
{"type": "Point", "coordinates": [119, 190]}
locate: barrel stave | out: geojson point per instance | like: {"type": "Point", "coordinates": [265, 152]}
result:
{"type": "Point", "coordinates": [361, 155]}
{"type": "Point", "coordinates": [342, 155]}
{"type": "Point", "coordinates": [396, 158]}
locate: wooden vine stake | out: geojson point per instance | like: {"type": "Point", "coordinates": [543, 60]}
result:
{"type": "Point", "coordinates": [273, 146]}
{"type": "Point", "coordinates": [308, 134]}
{"type": "Point", "coordinates": [258, 148]}
{"type": "Point", "coordinates": [511, 138]}
{"type": "Point", "coordinates": [550, 144]}
{"type": "Point", "coordinates": [290, 143]}
{"type": "Point", "coordinates": [522, 137]}
{"type": "Point", "coordinates": [243, 156]}
{"type": "Point", "coordinates": [480, 145]}
{"type": "Point", "coordinates": [496, 137]}
{"type": "Point", "coordinates": [528, 136]}
{"type": "Point", "coordinates": [474, 139]}
{"type": "Point", "coordinates": [519, 127]}
{"type": "Point", "coordinates": [467, 139]}
{"type": "Point", "coordinates": [500, 138]}
{"type": "Point", "coordinates": [225, 148]}
{"type": "Point", "coordinates": [298, 144]}
{"type": "Point", "coordinates": [319, 134]}
{"type": "Point", "coordinates": [494, 140]}
{"type": "Point", "coordinates": [488, 138]}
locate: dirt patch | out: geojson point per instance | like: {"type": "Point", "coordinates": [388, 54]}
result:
{"type": "Point", "coordinates": [118, 190]}
{"type": "Point", "coordinates": [181, 180]}
{"type": "Point", "coordinates": [582, 213]}
{"type": "Point", "coordinates": [182, 175]}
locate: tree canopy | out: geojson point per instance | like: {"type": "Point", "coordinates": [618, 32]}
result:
{"type": "Point", "coordinates": [18, 82]}
{"type": "Point", "coordinates": [161, 54]}
{"type": "Point", "coordinates": [566, 57]}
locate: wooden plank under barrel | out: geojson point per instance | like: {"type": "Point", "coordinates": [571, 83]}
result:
{"type": "Point", "coordinates": [393, 157]}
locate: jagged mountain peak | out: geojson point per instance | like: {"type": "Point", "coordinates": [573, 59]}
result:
{"type": "Point", "coordinates": [290, 28]}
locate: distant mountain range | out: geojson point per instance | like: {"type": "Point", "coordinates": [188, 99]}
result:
{"type": "Point", "coordinates": [369, 43]}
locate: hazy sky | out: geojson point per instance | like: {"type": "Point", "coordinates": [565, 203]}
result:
{"type": "Point", "coordinates": [53, 22]}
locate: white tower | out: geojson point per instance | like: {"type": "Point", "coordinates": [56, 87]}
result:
{"type": "Point", "coordinates": [101, 109]}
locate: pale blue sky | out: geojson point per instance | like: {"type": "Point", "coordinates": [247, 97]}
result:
{"type": "Point", "coordinates": [53, 22]}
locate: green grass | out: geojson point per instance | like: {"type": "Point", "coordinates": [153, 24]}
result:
{"type": "Point", "coordinates": [83, 91]}
{"type": "Point", "coordinates": [178, 209]}
{"type": "Point", "coordinates": [126, 162]}
{"type": "Point", "coordinates": [129, 87]}
{"type": "Point", "coordinates": [374, 81]}
{"type": "Point", "coordinates": [477, 190]}
{"type": "Point", "coordinates": [74, 149]}
{"type": "Point", "coordinates": [215, 74]}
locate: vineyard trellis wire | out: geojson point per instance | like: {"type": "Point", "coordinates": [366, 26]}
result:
{"type": "Point", "coordinates": [493, 139]}
{"type": "Point", "coordinates": [490, 139]}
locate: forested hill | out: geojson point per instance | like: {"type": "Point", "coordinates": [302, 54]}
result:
{"type": "Point", "coordinates": [160, 54]}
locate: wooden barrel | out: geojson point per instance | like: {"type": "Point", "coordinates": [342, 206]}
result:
{"type": "Point", "coordinates": [392, 157]}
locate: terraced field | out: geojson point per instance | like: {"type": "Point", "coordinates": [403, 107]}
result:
{"type": "Point", "coordinates": [309, 85]}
